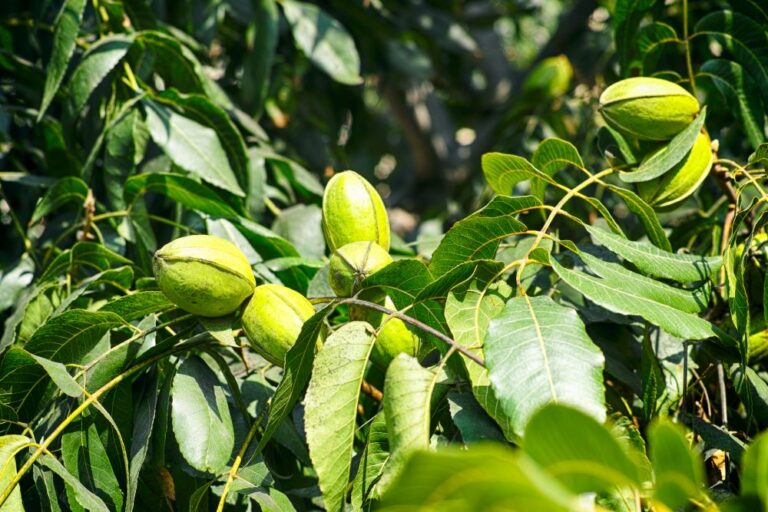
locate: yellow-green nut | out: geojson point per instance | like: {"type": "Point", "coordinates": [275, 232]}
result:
{"type": "Point", "coordinates": [353, 212]}
{"type": "Point", "coordinates": [648, 108]}
{"type": "Point", "coordinates": [394, 336]}
{"type": "Point", "coordinates": [204, 275]}
{"type": "Point", "coordinates": [273, 318]}
{"type": "Point", "coordinates": [352, 263]}
{"type": "Point", "coordinates": [682, 180]}
{"type": "Point", "coordinates": [551, 77]}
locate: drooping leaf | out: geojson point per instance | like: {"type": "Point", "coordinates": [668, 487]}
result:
{"type": "Point", "coordinates": [191, 146]}
{"type": "Point", "coordinates": [372, 462]}
{"type": "Point", "coordinates": [65, 190]}
{"type": "Point", "coordinates": [258, 61]}
{"type": "Point", "coordinates": [65, 32]}
{"type": "Point", "coordinates": [84, 497]}
{"type": "Point", "coordinates": [201, 420]}
{"type": "Point", "coordinates": [538, 352]}
{"type": "Point", "coordinates": [298, 368]}
{"type": "Point", "coordinates": [179, 188]}
{"type": "Point", "coordinates": [645, 214]}
{"type": "Point", "coordinates": [85, 457]}
{"type": "Point", "coordinates": [678, 471]}
{"type": "Point", "coordinates": [59, 375]}
{"type": "Point", "coordinates": [744, 39]}
{"type": "Point", "coordinates": [331, 408]}
{"type": "Point", "coordinates": [143, 421]}
{"type": "Point", "coordinates": [202, 110]}
{"type": "Point", "coordinates": [96, 64]}
{"type": "Point", "coordinates": [741, 94]}
{"type": "Point", "coordinates": [324, 40]}
{"type": "Point", "coordinates": [669, 156]}
{"type": "Point", "coordinates": [578, 451]}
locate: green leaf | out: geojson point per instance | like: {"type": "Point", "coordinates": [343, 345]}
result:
{"type": "Point", "coordinates": [143, 421]}
{"type": "Point", "coordinates": [468, 311]}
{"type": "Point", "coordinates": [552, 156]}
{"type": "Point", "coordinates": [485, 477]}
{"type": "Point", "coordinates": [138, 305]}
{"type": "Point", "coordinates": [503, 172]}
{"type": "Point", "coordinates": [202, 110]}
{"type": "Point", "coordinates": [324, 40]}
{"type": "Point", "coordinates": [645, 214]}
{"type": "Point", "coordinates": [60, 376]}
{"type": "Point", "coordinates": [65, 32]}
{"type": "Point", "coordinates": [330, 408]}
{"type": "Point", "coordinates": [84, 497]}
{"type": "Point", "coordinates": [85, 457]}
{"type": "Point", "coordinates": [578, 451]}
{"type": "Point", "coordinates": [124, 147]}
{"type": "Point", "coordinates": [191, 146]}
{"type": "Point", "coordinates": [654, 35]}
{"type": "Point", "coordinates": [473, 238]}
{"type": "Point", "coordinates": [296, 373]}
{"type": "Point", "coordinates": [258, 61]}
{"type": "Point", "coordinates": [96, 64]}
{"type": "Point", "coordinates": [683, 268]}
{"type": "Point", "coordinates": [507, 205]}
{"type": "Point", "coordinates": [741, 94]}
{"type": "Point", "coordinates": [372, 462]}
{"type": "Point", "coordinates": [744, 39]}
{"type": "Point", "coordinates": [472, 421]}
{"type": "Point", "coordinates": [652, 379]}
{"type": "Point", "coordinates": [694, 301]}
{"type": "Point", "coordinates": [9, 446]}
{"type": "Point", "coordinates": [200, 414]}
{"type": "Point", "coordinates": [95, 256]}
{"type": "Point", "coordinates": [678, 471]}
{"type": "Point", "coordinates": [184, 190]}
{"type": "Point", "coordinates": [70, 189]}
{"type": "Point", "coordinates": [754, 469]}
{"type": "Point", "coordinates": [301, 225]}
{"type": "Point", "coordinates": [408, 389]}
{"type": "Point", "coordinates": [669, 156]}
{"type": "Point", "coordinates": [537, 352]}
{"type": "Point", "coordinates": [619, 297]}
{"type": "Point", "coordinates": [298, 176]}
{"type": "Point", "coordinates": [69, 337]}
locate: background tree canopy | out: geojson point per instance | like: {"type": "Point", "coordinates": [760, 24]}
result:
{"type": "Point", "coordinates": [582, 320]}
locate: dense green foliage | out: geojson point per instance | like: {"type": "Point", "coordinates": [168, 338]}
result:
{"type": "Point", "coordinates": [567, 345]}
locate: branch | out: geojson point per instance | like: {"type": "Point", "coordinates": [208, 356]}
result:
{"type": "Point", "coordinates": [418, 324]}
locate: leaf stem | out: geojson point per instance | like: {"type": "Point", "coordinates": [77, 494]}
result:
{"type": "Point", "coordinates": [239, 458]}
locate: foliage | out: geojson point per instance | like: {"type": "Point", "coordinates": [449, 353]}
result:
{"type": "Point", "coordinates": [578, 348]}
